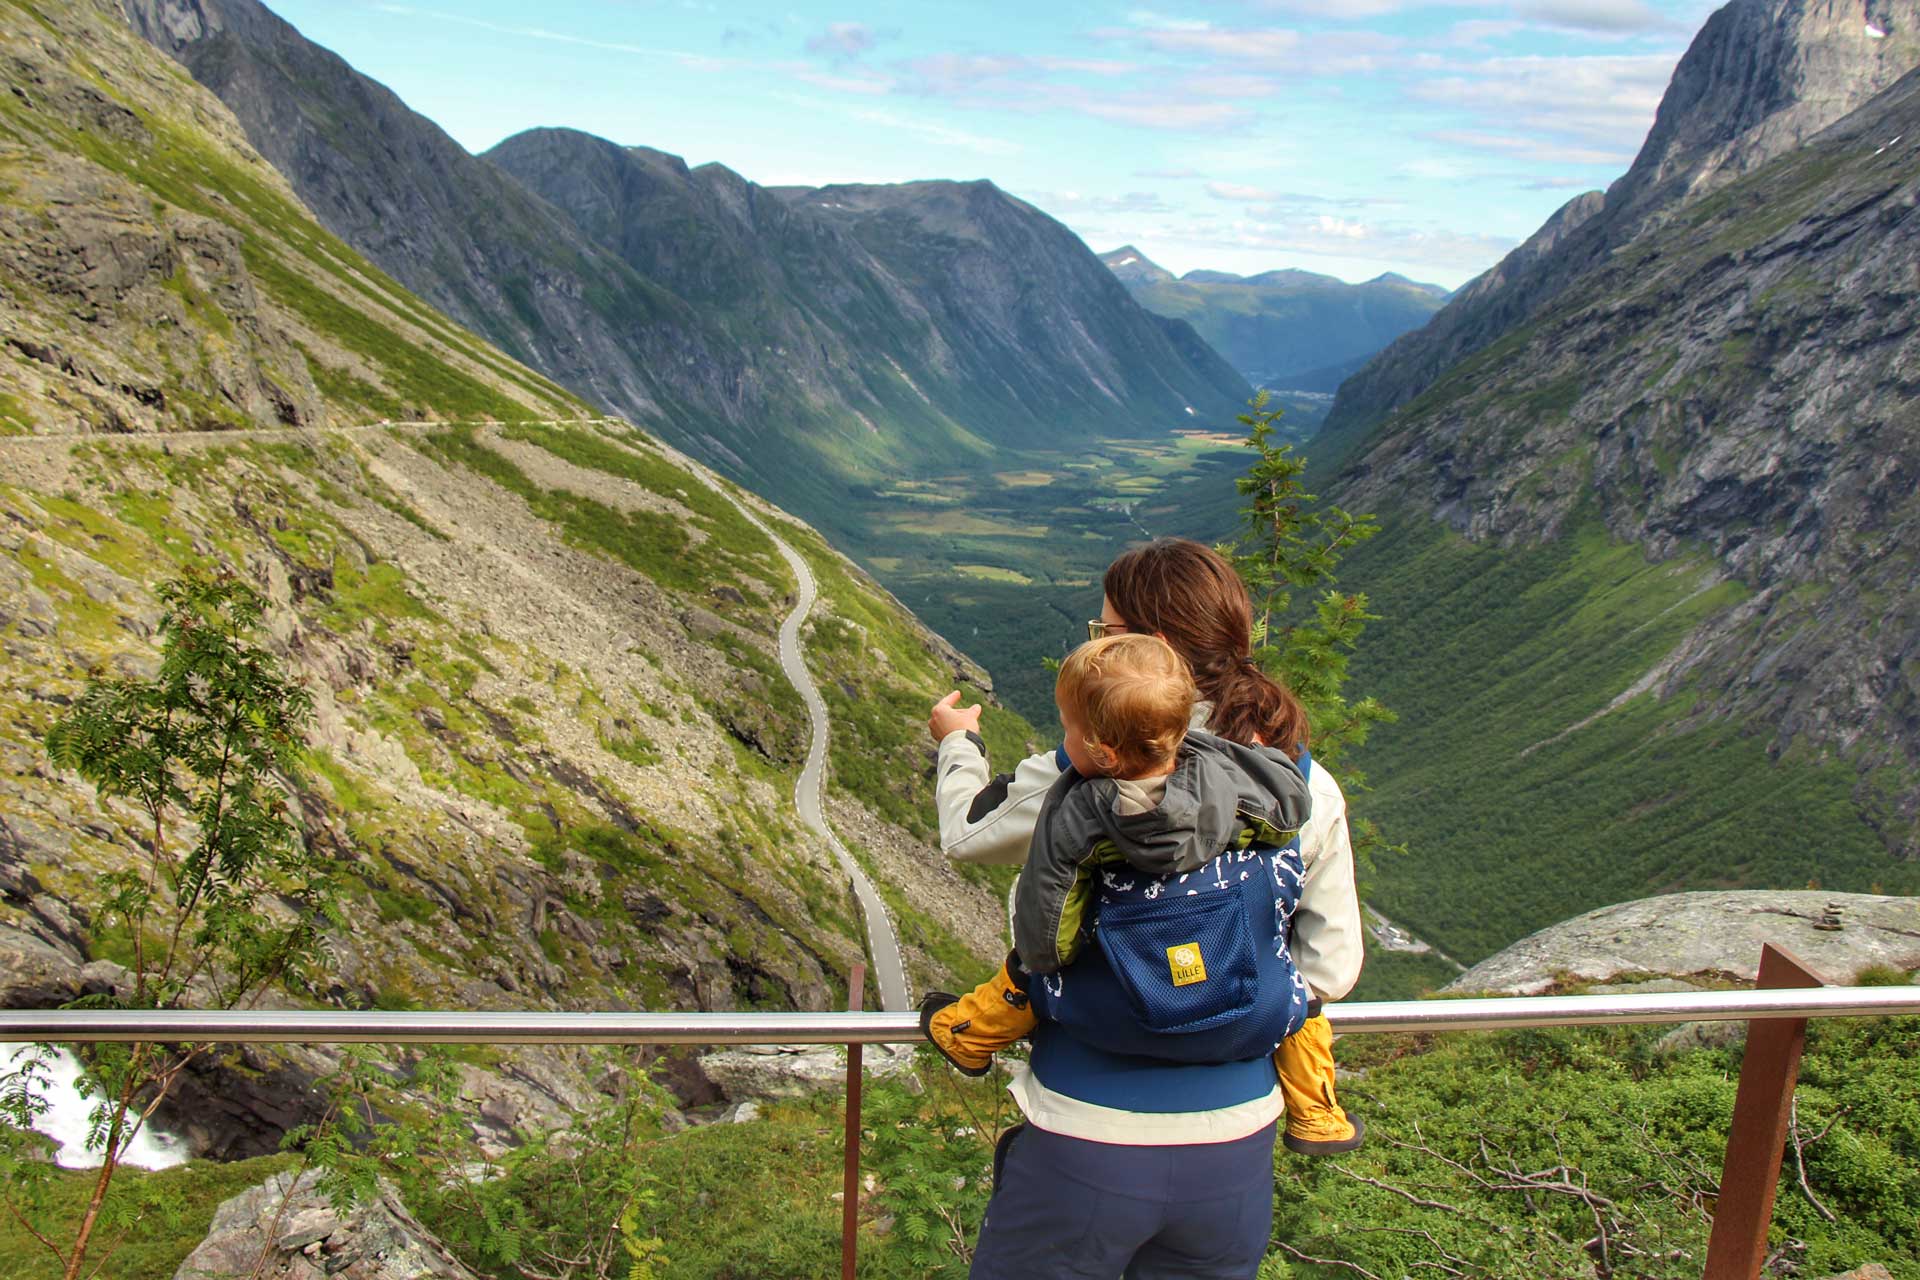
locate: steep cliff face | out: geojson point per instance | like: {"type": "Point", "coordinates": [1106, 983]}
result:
{"type": "Point", "coordinates": [1652, 553]}
{"type": "Point", "coordinates": [449, 227]}
{"type": "Point", "coordinates": [694, 302]}
{"type": "Point", "coordinates": [805, 306]}
{"type": "Point", "coordinates": [1762, 77]}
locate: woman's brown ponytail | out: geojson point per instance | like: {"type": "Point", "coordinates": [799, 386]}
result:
{"type": "Point", "coordinates": [1187, 592]}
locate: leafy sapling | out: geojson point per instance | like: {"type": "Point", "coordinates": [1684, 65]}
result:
{"type": "Point", "coordinates": [228, 901]}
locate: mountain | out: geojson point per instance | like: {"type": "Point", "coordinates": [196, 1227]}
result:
{"type": "Point", "coordinates": [743, 326]}
{"type": "Point", "coordinates": [1761, 77]}
{"type": "Point", "coordinates": [1033, 316]}
{"type": "Point", "coordinates": [1133, 267]}
{"type": "Point", "coordinates": [1648, 565]}
{"type": "Point", "coordinates": [924, 294]}
{"type": "Point", "coordinates": [1288, 329]}
{"type": "Point", "coordinates": [553, 749]}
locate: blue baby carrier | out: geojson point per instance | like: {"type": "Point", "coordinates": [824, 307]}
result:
{"type": "Point", "coordinates": [1187, 968]}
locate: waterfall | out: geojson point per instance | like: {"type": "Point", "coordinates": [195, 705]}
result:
{"type": "Point", "coordinates": [66, 1117]}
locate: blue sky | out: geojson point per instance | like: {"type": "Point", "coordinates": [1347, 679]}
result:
{"type": "Point", "coordinates": [1344, 136]}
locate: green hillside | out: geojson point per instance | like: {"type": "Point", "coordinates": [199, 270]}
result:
{"type": "Point", "coordinates": [1531, 774]}
{"type": "Point", "coordinates": [1648, 581]}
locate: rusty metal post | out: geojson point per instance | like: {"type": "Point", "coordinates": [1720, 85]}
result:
{"type": "Point", "coordinates": [850, 1186]}
{"type": "Point", "coordinates": [1757, 1143]}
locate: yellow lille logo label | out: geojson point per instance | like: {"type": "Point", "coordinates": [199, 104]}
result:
{"type": "Point", "coordinates": [1186, 964]}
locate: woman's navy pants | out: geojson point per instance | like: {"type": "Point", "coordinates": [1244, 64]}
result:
{"type": "Point", "coordinates": [1068, 1208]}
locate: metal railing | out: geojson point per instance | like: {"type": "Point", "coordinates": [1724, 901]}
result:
{"type": "Point", "coordinates": [1788, 995]}
{"type": "Point", "coordinates": [327, 1026]}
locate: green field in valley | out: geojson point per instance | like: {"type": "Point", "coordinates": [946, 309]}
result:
{"type": "Point", "coordinates": [1006, 562]}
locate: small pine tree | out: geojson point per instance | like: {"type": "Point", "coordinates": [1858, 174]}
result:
{"type": "Point", "coordinates": [1286, 545]}
{"type": "Point", "coordinates": [228, 899]}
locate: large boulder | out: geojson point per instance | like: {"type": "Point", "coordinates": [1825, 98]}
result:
{"type": "Point", "coordinates": [792, 1071]}
{"type": "Point", "coordinates": [306, 1238]}
{"type": "Point", "coordinates": [1719, 933]}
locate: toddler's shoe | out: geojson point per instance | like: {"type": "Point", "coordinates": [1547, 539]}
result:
{"type": "Point", "coordinates": [968, 1030]}
{"type": "Point", "coordinates": [1316, 1123]}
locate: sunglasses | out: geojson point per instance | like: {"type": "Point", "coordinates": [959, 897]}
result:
{"type": "Point", "coordinates": [1098, 628]}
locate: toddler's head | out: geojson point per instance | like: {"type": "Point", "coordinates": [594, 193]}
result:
{"type": "Point", "coordinates": [1124, 701]}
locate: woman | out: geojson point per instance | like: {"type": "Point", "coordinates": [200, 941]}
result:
{"type": "Point", "coordinates": [1160, 1169]}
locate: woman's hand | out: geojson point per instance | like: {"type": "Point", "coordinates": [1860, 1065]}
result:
{"type": "Point", "coordinates": [949, 715]}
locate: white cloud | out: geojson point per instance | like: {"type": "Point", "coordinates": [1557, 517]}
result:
{"type": "Point", "coordinates": [1131, 202]}
{"type": "Point", "coordinates": [1603, 104]}
{"type": "Point", "coordinates": [1239, 191]}
{"type": "Point", "coordinates": [857, 80]}
{"type": "Point", "coordinates": [1228, 44]}
{"type": "Point", "coordinates": [556, 37]}
{"type": "Point", "coordinates": [1237, 86]}
{"type": "Point", "coordinates": [1526, 147]}
{"type": "Point", "coordinates": [1149, 112]}
{"type": "Point", "coordinates": [1612, 17]}
{"type": "Point", "coordinates": [1414, 249]}
{"type": "Point", "coordinates": [934, 131]}
{"type": "Point", "coordinates": [1433, 169]}
{"type": "Point", "coordinates": [845, 41]}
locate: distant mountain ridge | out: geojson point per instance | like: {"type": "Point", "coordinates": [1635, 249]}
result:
{"type": "Point", "coordinates": [743, 325]}
{"type": "Point", "coordinates": [1288, 328]}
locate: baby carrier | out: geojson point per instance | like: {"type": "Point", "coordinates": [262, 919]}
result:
{"type": "Point", "coordinates": [1187, 968]}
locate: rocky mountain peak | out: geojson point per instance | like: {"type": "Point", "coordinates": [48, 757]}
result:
{"type": "Point", "coordinates": [1761, 78]}
{"type": "Point", "coordinates": [1130, 265]}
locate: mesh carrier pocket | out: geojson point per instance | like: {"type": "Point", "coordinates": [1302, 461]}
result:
{"type": "Point", "coordinates": [1187, 963]}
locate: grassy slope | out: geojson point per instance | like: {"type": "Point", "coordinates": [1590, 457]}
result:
{"type": "Point", "coordinates": [1487, 651]}
{"type": "Point", "coordinates": [473, 713]}
{"type": "Point", "coordinates": [422, 363]}
{"type": "Point", "coordinates": [1489, 654]}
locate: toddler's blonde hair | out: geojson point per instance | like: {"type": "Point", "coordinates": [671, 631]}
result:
{"type": "Point", "coordinates": [1134, 696]}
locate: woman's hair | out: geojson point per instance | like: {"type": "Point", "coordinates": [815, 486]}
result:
{"type": "Point", "coordinates": [1133, 695]}
{"type": "Point", "coordinates": [1187, 592]}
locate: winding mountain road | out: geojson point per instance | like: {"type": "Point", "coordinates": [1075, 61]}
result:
{"type": "Point", "coordinates": [883, 945]}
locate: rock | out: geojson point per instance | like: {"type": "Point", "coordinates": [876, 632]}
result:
{"type": "Point", "coordinates": [681, 1075]}
{"type": "Point", "coordinates": [789, 1071]}
{"type": "Point", "coordinates": [376, 1239]}
{"type": "Point", "coordinates": [1689, 1036]}
{"type": "Point", "coordinates": [1652, 986]}
{"type": "Point", "coordinates": [236, 1103]}
{"type": "Point", "coordinates": [1871, 1271]}
{"type": "Point", "coordinates": [35, 974]}
{"type": "Point", "coordinates": [1707, 933]}
{"type": "Point", "coordinates": [741, 1113]}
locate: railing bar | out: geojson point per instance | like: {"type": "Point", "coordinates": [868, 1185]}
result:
{"type": "Point", "coordinates": [329, 1026]}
